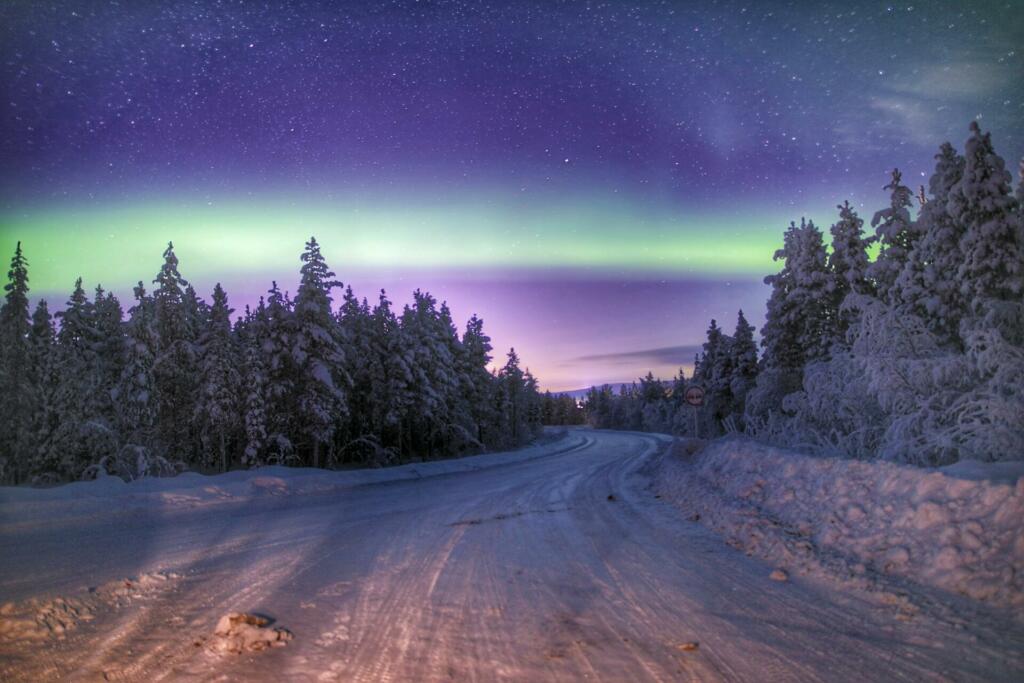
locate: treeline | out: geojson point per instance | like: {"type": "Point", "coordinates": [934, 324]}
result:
{"type": "Point", "coordinates": [726, 369]}
{"type": "Point", "coordinates": [560, 409]}
{"type": "Point", "coordinates": [916, 356]}
{"type": "Point", "coordinates": [178, 384]}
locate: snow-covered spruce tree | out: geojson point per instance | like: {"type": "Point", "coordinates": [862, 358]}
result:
{"type": "Point", "coordinates": [848, 262]}
{"type": "Point", "coordinates": [800, 322]}
{"type": "Point", "coordinates": [598, 406]}
{"type": "Point", "coordinates": [713, 372]}
{"type": "Point", "coordinates": [135, 393]}
{"type": "Point", "coordinates": [512, 383]}
{"type": "Point", "coordinates": [321, 380]}
{"type": "Point", "coordinates": [432, 367]}
{"type": "Point", "coordinates": [655, 415]}
{"type": "Point", "coordinates": [359, 431]}
{"type": "Point", "coordinates": [981, 202]}
{"type": "Point", "coordinates": [394, 387]}
{"type": "Point", "coordinates": [217, 407]}
{"type": "Point", "coordinates": [940, 405]}
{"type": "Point", "coordinates": [896, 235]}
{"type": "Point", "coordinates": [928, 283]}
{"type": "Point", "coordinates": [254, 407]}
{"type": "Point", "coordinates": [275, 331]}
{"type": "Point", "coordinates": [477, 383]}
{"type": "Point", "coordinates": [742, 365]}
{"type": "Point", "coordinates": [175, 376]}
{"type": "Point", "coordinates": [14, 379]}
{"type": "Point", "coordinates": [43, 397]}
{"type": "Point", "coordinates": [84, 436]}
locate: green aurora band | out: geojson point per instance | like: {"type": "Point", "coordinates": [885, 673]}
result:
{"type": "Point", "coordinates": [120, 243]}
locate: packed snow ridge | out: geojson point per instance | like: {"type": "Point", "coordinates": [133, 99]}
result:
{"type": "Point", "coordinates": [956, 528]}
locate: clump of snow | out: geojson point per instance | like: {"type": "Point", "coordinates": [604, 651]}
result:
{"type": "Point", "coordinates": [237, 632]}
{"type": "Point", "coordinates": [960, 528]}
{"type": "Point", "coordinates": [44, 618]}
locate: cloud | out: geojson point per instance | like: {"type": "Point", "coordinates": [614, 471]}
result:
{"type": "Point", "coordinates": [667, 355]}
{"type": "Point", "coordinates": [926, 103]}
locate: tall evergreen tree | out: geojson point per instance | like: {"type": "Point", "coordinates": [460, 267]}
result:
{"type": "Point", "coordinates": [513, 385]}
{"type": "Point", "coordinates": [389, 341]}
{"type": "Point", "coordinates": [848, 263]}
{"type": "Point", "coordinates": [849, 257]}
{"type": "Point", "coordinates": [477, 381]}
{"type": "Point", "coordinates": [254, 405]}
{"type": "Point", "coordinates": [742, 363]}
{"type": "Point", "coordinates": [14, 380]}
{"type": "Point", "coordinates": [174, 368]}
{"type": "Point", "coordinates": [276, 332]}
{"type": "Point", "coordinates": [896, 235]}
{"type": "Point", "coordinates": [798, 322]}
{"type": "Point", "coordinates": [43, 398]}
{"type": "Point", "coordinates": [929, 284]}
{"type": "Point", "coordinates": [319, 359]}
{"type": "Point", "coordinates": [992, 263]}
{"type": "Point", "coordinates": [217, 407]}
{"type": "Point", "coordinates": [135, 392]}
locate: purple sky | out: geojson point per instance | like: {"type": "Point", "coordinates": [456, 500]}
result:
{"type": "Point", "coordinates": [598, 178]}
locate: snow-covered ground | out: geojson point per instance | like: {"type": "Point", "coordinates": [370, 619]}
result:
{"type": "Point", "coordinates": [560, 562]}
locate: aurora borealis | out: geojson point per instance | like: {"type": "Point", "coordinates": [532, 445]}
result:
{"type": "Point", "coordinates": [596, 180]}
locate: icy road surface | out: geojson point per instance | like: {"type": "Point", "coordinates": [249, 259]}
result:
{"type": "Point", "coordinates": [523, 571]}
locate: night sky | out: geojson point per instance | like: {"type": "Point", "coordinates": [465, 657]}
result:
{"type": "Point", "coordinates": [597, 180]}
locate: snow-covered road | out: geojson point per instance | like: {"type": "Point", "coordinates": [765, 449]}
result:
{"type": "Point", "coordinates": [561, 567]}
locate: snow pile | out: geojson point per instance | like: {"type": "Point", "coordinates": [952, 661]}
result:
{"type": "Point", "coordinates": [237, 633]}
{"type": "Point", "coordinates": [21, 506]}
{"type": "Point", "coordinates": [959, 528]}
{"type": "Point", "coordinates": [43, 618]}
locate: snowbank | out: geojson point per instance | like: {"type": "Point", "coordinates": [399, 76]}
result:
{"type": "Point", "coordinates": [959, 528]}
{"type": "Point", "coordinates": [20, 506]}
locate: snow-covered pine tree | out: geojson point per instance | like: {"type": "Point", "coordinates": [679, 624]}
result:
{"type": "Point", "coordinates": [982, 203]}
{"type": "Point", "coordinates": [896, 235]}
{"type": "Point", "coordinates": [83, 437]}
{"type": "Point", "coordinates": [135, 393]}
{"type": "Point", "coordinates": [513, 387]}
{"type": "Point", "coordinates": [364, 433]}
{"type": "Point", "coordinates": [43, 383]}
{"type": "Point", "coordinates": [477, 381]}
{"type": "Point", "coordinates": [174, 369]}
{"type": "Point", "coordinates": [254, 405]}
{"type": "Point", "coordinates": [217, 407]}
{"type": "Point", "coordinates": [108, 349]}
{"type": "Point", "coordinates": [799, 318]}
{"type": "Point", "coordinates": [432, 369]}
{"type": "Point", "coordinates": [14, 380]}
{"type": "Point", "coordinates": [742, 364]}
{"type": "Point", "coordinates": [394, 359]}
{"type": "Point", "coordinates": [532, 401]}
{"type": "Point", "coordinates": [928, 283]}
{"type": "Point", "coordinates": [319, 359]}
{"type": "Point", "coordinates": [455, 434]}
{"type": "Point", "coordinates": [849, 256]}
{"type": "Point", "coordinates": [799, 323]}
{"type": "Point", "coordinates": [276, 325]}
{"type": "Point", "coordinates": [848, 263]}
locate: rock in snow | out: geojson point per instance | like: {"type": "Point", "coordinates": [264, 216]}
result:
{"type": "Point", "coordinates": [237, 633]}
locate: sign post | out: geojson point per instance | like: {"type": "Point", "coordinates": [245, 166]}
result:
{"type": "Point", "coordinates": [695, 397]}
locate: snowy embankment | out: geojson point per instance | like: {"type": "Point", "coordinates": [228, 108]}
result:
{"type": "Point", "coordinates": [20, 506]}
{"type": "Point", "coordinates": [959, 529]}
